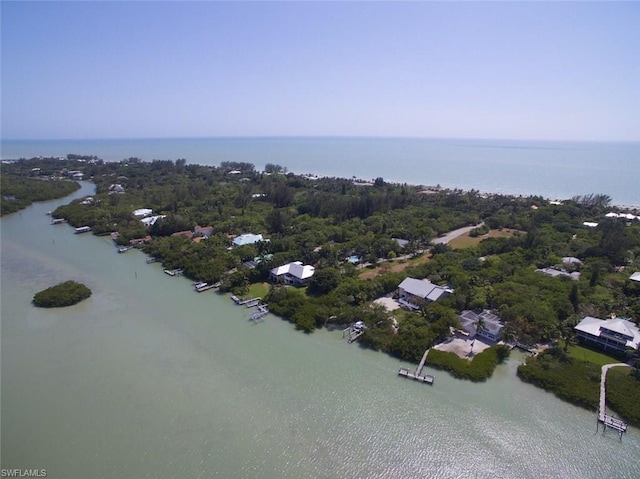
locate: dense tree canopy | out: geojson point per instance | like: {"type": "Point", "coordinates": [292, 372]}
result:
{"type": "Point", "coordinates": [60, 295]}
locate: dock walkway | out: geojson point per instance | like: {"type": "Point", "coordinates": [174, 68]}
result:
{"type": "Point", "coordinates": [260, 312]}
{"type": "Point", "coordinates": [609, 421]}
{"type": "Point", "coordinates": [417, 375]}
{"type": "Point", "coordinates": [243, 302]}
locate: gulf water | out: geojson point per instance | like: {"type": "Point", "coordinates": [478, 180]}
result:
{"type": "Point", "coordinates": [557, 170]}
{"type": "Point", "coordinates": [149, 379]}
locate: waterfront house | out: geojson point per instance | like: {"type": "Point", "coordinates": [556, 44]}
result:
{"type": "Point", "coordinates": [485, 325]}
{"type": "Point", "coordinates": [295, 274]}
{"type": "Point", "coordinates": [613, 335]}
{"type": "Point", "coordinates": [413, 293]}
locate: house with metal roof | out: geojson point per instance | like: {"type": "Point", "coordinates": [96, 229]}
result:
{"type": "Point", "coordinates": [247, 238]}
{"type": "Point", "coordinates": [413, 293]}
{"type": "Point", "coordinates": [615, 335]}
{"type": "Point", "coordinates": [295, 274]}
{"type": "Point", "coordinates": [485, 325]}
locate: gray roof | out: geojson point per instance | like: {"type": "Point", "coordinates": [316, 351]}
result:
{"type": "Point", "coordinates": [490, 322]}
{"type": "Point", "coordinates": [423, 288]}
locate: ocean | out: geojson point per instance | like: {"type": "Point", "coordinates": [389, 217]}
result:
{"type": "Point", "coordinates": [552, 169]}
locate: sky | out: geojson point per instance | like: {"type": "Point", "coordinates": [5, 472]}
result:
{"type": "Point", "coordinates": [505, 70]}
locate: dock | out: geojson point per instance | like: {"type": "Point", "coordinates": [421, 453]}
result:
{"type": "Point", "coordinates": [124, 249]}
{"type": "Point", "coordinates": [608, 421]}
{"type": "Point", "coordinates": [174, 272]}
{"type": "Point", "coordinates": [82, 229]}
{"type": "Point", "coordinates": [58, 221]}
{"type": "Point", "coordinates": [417, 375]}
{"type": "Point", "coordinates": [243, 302]}
{"type": "Point", "coordinates": [260, 312]}
{"type": "Point", "coordinates": [353, 332]}
{"type": "Point", "coordinates": [152, 259]}
{"type": "Point", "coordinates": [202, 286]}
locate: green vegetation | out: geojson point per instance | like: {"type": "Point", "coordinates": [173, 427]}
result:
{"type": "Point", "coordinates": [60, 295]}
{"type": "Point", "coordinates": [480, 368]}
{"type": "Point", "coordinates": [580, 353]}
{"type": "Point", "coordinates": [323, 221]}
{"type": "Point", "coordinates": [572, 380]}
{"type": "Point", "coordinates": [18, 192]}
{"type": "Point", "coordinates": [578, 382]}
{"type": "Point", "coordinates": [623, 391]}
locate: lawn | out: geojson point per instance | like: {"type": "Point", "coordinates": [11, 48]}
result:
{"type": "Point", "coordinates": [394, 266]}
{"type": "Point", "coordinates": [583, 354]}
{"type": "Point", "coordinates": [258, 290]}
{"type": "Point", "coordinates": [466, 241]}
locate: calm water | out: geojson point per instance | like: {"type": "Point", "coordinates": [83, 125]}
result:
{"type": "Point", "coordinates": [148, 379]}
{"type": "Point", "coordinates": [552, 169]}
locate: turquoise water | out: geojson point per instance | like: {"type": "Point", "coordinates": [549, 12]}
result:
{"type": "Point", "coordinates": [552, 169]}
{"type": "Point", "coordinates": [149, 379]}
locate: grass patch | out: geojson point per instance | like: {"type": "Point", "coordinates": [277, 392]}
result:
{"type": "Point", "coordinates": [258, 290]}
{"type": "Point", "coordinates": [581, 353]}
{"type": "Point", "coordinates": [466, 241]}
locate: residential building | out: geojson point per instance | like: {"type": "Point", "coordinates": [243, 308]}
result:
{"type": "Point", "coordinates": [485, 325]}
{"type": "Point", "coordinates": [413, 293]}
{"type": "Point", "coordinates": [295, 273]}
{"type": "Point", "coordinates": [614, 335]}
{"type": "Point", "coordinates": [247, 238]}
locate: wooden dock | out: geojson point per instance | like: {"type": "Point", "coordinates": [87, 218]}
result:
{"type": "Point", "coordinates": [609, 421]}
{"type": "Point", "coordinates": [174, 272]}
{"type": "Point", "coordinates": [260, 312]}
{"type": "Point", "coordinates": [202, 286]}
{"type": "Point", "coordinates": [243, 302]}
{"type": "Point", "coordinates": [417, 375]}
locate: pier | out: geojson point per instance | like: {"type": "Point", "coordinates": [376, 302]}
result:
{"type": "Point", "coordinates": [417, 375]}
{"type": "Point", "coordinates": [260, 312]}
{"type": "Point", "coordinates": [82, 229]}
{"type": "Point", "coordinates": [174, 272]}
{"type": "Point", "coordinates": [609, 421]}
{"type": "Point", "coordinates": [243, 302]}
{"type": "Point", "coordinates": [353, 332]}
{"type": "Point", "coordinates": [202, 286]}
{"type": "Point", "coordinates": [58, 221]}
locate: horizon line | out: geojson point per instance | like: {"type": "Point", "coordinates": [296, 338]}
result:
{"type": "Point", "coordinates": [294, 137]}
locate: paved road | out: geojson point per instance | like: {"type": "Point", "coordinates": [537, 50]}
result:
{"type": "Point", "coordinates": [451, 235]}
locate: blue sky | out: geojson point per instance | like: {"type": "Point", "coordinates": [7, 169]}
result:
{"type": "Point", "coordinates": [541, 70]}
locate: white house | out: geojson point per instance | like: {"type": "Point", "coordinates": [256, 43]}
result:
{"type": "Point", "coordinates": [151, 220]}
{"type": "Point", "coordinates": [635, 276]}
{"type": "Point", "coordinates": [484, 325]}
{"type": "Point", "coordinates": [609, 334]}
{"type": "Point", "coordinates": [247, 238]}
{"type": "Point", "coordinates": [294, 273]}
{"type": "Point", "coordinates": [142, 213]}
{"type": "Point", "coordinates": [415, 293]}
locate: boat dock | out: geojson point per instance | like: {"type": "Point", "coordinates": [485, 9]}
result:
{"type": "Point", "coordinates": [202, 286]}
{"type": "Point", "coordinates": [243, 302]}
{"type": "Point", "coordinates": [260, 312]}
{"type": "Point", "coordinates": [353, 332]}
{"type": "Point", "coordinates": [58, 221]}
{"type": "Point", "coordinates": [152, 259]}
{"type": "Point", "coordinates": [124, 249]}
{"type": "Point", "coordinates": [82, 229]}
{"type": "Point", "coordinates": [608, 421]}
{"type": "Point", "coordinates": [417, 375]}
{"type": "Point", "coordinates": [174, 272]}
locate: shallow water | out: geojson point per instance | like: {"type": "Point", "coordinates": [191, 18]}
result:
{"type": "Point", "coordinates": [149, 379]}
